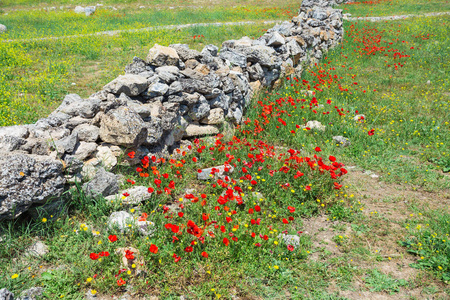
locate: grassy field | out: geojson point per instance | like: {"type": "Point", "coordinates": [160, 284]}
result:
{"type": "Point", "coordinates": [395, 7]}
{"type": "Point", "coordinates": [376, 227]}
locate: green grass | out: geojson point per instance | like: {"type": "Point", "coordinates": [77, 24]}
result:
{"type": "Point", "coordinates": [409, 149]}
{"type": "Point", "coordinates": [430, 242]}
{"type": "Point", "coordinates": [36, 24]}
{"type": "Point", "coordinates": [395, 7]}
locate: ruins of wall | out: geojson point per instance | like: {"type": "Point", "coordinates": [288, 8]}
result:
{"type": "Point", "coordinates": [175, 93]}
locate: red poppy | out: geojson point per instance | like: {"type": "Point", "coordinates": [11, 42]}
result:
{"type": "Point", "coordinates": [120, 282]}
{"type": "Point", "coordinates": [257, 208]}
{"type": "Point", "coordinates": [318, 149]}
{"type": "Point", "coordinates": [226, 241]}
{"type": "Point", "coordinates": [332, 158]}
{"type": "Point", "coordinates": [290, 248]}
{"type": "Point", "coordinates": [194, 159]}
{"type": "Point", "coordinates": [371, 132]}
{"type": "Point", "coordinates": [250, 211]}
{"type": "Point", "coordinates": [285, 221]}
{"type": "Point", "coordinates": [153, 248]}
{"type": "Point", "coordinates": [291, 209]}
{"type": "Point", "coordinates": [104, 253]}
{"type": "Point", "coordinates": [204, 254]}
{"type": "Point", "coordinates": [112, 238]}
{"type": "Point", "coordinates": [94, 256]}
{"type": "Point", "coordinates": [228, 219]}
{"type": "Point", "coordinates": [131, 154]}
{"type": "Point", "coordinates": [129, 255]}
{"type": "Point", "coordinates": [181, 214]}
{"type": "Point", "coordinates": [150, 190]}
{"type": "Point", "coordinates": [176, 257]}
{"type": "Point", "coordinates": [188, 249]}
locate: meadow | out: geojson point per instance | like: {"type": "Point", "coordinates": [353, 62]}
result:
{"type": "Point", "coordinates": [370, 220]}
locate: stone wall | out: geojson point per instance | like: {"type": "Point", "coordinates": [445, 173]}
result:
{"type": "Point", "coordinates": [175, 93]}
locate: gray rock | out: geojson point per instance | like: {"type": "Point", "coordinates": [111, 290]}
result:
{"type": "Point", "coordinates": [157, 89]}
{"type": "Point", "coordinates": [33, 293]}
{"type": "Point", "coordinates": [138, 66]}
{"type": "Point", "coordinates": [276, 40]}
{"type": "Point", "coordinates": [185, 53]}
{"type": "Point", "coordinates": [129, 84]}
{"type": "Point", "coordinates": [26, 180]}
{"type": "Point", "coordinates": [103, 183]}
{"type": "Point", "coordinates": [72, 164]}
{"type": "Point", "coordinates": [11, 143]}
{"type": "Point", "coordinates": [106, 157]}
{"type": "Point", "coordinates": [37, 249]}
{"type": "Point", "coordinates": [341, 141]}
{"type": "Point", "coordinates": [199, 110]}
{"type": "Point", "coordinates": [136, 194]}
{"type": "Point", "coordinates": [315, 125]}
{"type": "Point", "coordinates": [87, 133]}
{"type": "Point", "coordinates": [319, 14]}
{"type": "Point", "coordinates": [201, 130]}
{"type": "Point", "coordinates": [154, 131]}
{"type": "Point", "coordinates": [293, 240]}
{"type": "Point", "coordinates": [175, 88]}
{"type": "Point", "coordinates": [122, 126]}
{"type": "Point", "coordinates": [19, 131]}
{"type": "Point", "coordinates": [120, 220]}
{"type": "Point", "coordinates": [67, 144]}
{"type": "Point", "coordinates": [255, 72]}
{"type": "Point", "coordinates": [215, 116]}
{"type": "Point", "coordinates": [89, 10]}
{"type": "Point", "coordinates": [210, 49]}
{"type": "Point", "coordinates": [215, 172]}
{"type": "Point", "coordinates": [162, 56]}
{"type": "Point", "coordinates": [74, 105]}
{"type": "Point", "coordinates": [235, 58]}
{"type": "Point", "coordinates": [84, 150]}
{"type": "Point", "coordinates": [6, 295]}
{"type": "Point", "coordinates": [3, 28]}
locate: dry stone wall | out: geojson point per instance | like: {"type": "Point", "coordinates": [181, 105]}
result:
{"type": "Point", "coordinates": [175, 93]}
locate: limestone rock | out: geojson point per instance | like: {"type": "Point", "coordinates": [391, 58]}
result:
{"type": "Point", "coordinates": [136, 195]}
{"type": "Point", "coordinates": [122, 126]}
{"type": "Point", "coordinates": [314, 125]}
{"type": "Point", "coordinates": [6, 295]}
{"type": "Point", "coordinates": [106, 156]}
{"type": "Point", "coordinates": [200, 130]}
{"type": "Point", "coordinates": [216, 116]}
{"type": "Point", "coordinates": [84, 150]}
{"type": "Point", "coordinates": [209, 173]}
{"type": "Point", "coordinates": [104, 184]}
{"type": "Point", "coordinates": [341, 141]}
{"type": "Point", "coordinates": [26, 180]}
{"type": "Point", "coordinates": [37, 249]}
{"type": "Point", "coordinates": [162, 56]}
{"type": "Point", "coordinates": [87, 133]}
{"type": "Point", "coordinates": [120, 220]}
{"type": "Point", "coordinates": [129, 84]}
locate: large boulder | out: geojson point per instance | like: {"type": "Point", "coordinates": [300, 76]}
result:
{"type": "Point", "coordinates": [129, 84]}
{"type": "Point", "coordinates": [26, 180]}
{"type": "Point", "coordinates": [123, 126]}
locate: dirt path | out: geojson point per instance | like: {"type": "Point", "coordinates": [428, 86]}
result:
{"type": "Point", "coordinates": [371, 242]}
{"type": "Point", "coordinates": [400, 17]}
{"type": "Point", "coordinates": [117, 32]}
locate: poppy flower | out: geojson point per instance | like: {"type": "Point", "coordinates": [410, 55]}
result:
{"type": "Point", "coordinates": [291, 209]}
{"type": "Point", "coordinates": [112, 238]}
{"type": "Point", "coordinates": [104, 253]}
{"type": "Point", "coordinates": [228, 219]}
{"type": "Point", "coordinates": [129, 255]}
{"type": "Point", "coordinates": [332, 158]}
{"type": "Point", "coordinates": [285, 221]}
{"type": "Point", "coordinates": [131, 154]}
{"type": "Point", "coordinates": [250, 211]}
{"type": "Point", "coordinates": [226, 241]}
{"type": "Point", "coordinates": [121, 282]}
{"type": "Point", "coordinates": [204, 254]}
{"type": "Point", "coordinates": [153, 248]}
{"type": "Point", "coordinates": [371, 132]}
{"type": "Point", "coordinates": [318, 149]}
{"type": "Point", "coordinates": [94, 256]}
{"type": "Point", "coordinates": [176, 257]}
{"type": "Point", "coordinates": [188, 249]}
{"type": "Point", "coordinates": [257, 208]}
{"type": "Point", "coordinates": [290, 248]}
{"type": "Point", "coordinates": [181, 214]}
